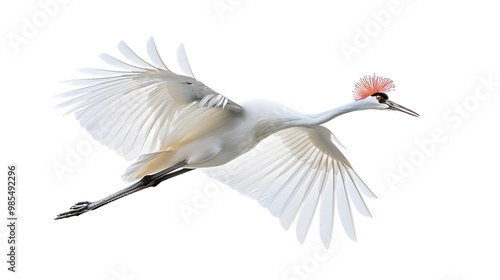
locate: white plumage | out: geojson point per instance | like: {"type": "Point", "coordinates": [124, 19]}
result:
{"type": "Point", "coordinates": [291, 171]}
{"type": "Point", "coordinates": [165, 120]}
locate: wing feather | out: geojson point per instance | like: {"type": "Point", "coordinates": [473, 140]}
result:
{"type": "Point", "coordinates": [278, 161]}
{"type": "Point", "coordinates": [360, 184]}
{"type": "Point", "coordinates": [344, 206]}
{"type": "Point", "coordinates": [144, 107]}
{"type": "Point", "coordinates": [354, 193]}
{"type": "Point", "coordinates": [300, 192]}
{"type": "Point", "coordinates": [154, 55]}
{"type": "Point", "coordinates": [295, 170]}
{"type": "Point", "coordinates": [183, 61]}
{"type": "Point", "coordinates": [275, 190]}
{"type": "Point", "coordinates": [311, 201]}
{"type": "Point", "coordinates": [119, 64]}
{"type": "Point", "coordinates": [327, 209]}
{"type": "Point", "coordinates": [130, 55]}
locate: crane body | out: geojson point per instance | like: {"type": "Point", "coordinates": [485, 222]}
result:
{"type": "Point", "coordinates": [172, 124]}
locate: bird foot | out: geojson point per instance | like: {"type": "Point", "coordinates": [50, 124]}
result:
{"type": "Point", "coordinates": [75, 210]}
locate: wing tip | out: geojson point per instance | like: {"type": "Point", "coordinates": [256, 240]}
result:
{"type": "Point", "coordinates": [183, 61]}
{"type": "Point", "coordinates": [154, 55]}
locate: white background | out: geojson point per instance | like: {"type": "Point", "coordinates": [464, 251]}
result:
{"type": "Point", "coordinates": [440, 222]}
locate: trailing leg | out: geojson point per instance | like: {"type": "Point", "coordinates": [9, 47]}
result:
{"type": "Point", "coordinates": [146, 182]}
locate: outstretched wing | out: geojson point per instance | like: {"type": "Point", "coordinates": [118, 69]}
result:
{"type": "Point", "coordinates": [144, 107]}
{"type": "Point", "coordinates": [291, 171]}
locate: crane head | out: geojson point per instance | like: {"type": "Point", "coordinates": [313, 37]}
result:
{"type": "Point", "coordinates": [372, 90]}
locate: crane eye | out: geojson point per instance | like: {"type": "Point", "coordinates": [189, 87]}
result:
{"type": "Point", "coordinates": [378, 97]}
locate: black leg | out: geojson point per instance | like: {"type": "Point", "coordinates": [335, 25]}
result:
{"type": "Point", "coordinates": [146, 182]}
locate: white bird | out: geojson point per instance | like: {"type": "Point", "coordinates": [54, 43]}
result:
{"type": "Point", "coordinates": [173, 124]}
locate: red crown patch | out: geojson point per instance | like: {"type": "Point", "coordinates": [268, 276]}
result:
{"type": "Point", "coordinates": [369, 85]}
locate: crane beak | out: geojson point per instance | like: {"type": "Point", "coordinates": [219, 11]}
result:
{"type": "Point", "coordinates": [397, 107]}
